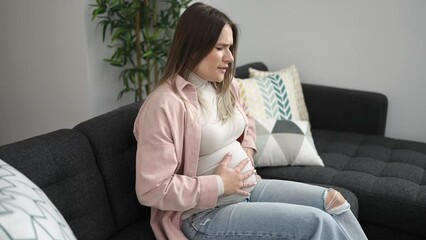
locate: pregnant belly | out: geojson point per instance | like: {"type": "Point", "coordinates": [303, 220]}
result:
{"type": "Point", "coordinates": [208, 164]}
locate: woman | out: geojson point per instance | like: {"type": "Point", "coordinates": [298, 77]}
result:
{"type": "Point", "coordinates": [195, 143]}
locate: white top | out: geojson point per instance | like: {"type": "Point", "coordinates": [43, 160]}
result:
{"type": "Point", "coordinates": [217, 139]}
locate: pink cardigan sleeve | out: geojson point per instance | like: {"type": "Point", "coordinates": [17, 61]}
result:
{"type": "Point", "coordinates": [160, 180]}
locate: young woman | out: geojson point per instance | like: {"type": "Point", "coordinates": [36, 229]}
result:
{"type": "Point", "coordinates": [195, 143]}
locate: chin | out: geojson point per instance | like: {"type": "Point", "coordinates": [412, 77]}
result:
{"type": "Point", "coordinates": [221, 78]}
{"type": "Point", "coordinates": [218, 79]}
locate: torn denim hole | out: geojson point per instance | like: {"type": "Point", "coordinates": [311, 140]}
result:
{"type": "Point", "coordinates": [335, 210]}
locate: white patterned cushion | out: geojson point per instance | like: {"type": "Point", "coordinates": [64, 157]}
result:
{"type": "Point", "coordinates": [267, 97]}
{"type": "Point", "coordinates": [281, 137]}
{"type": "Point", "coordinates": [291, 78]}
{"type": "Point", "coordinates": [25, 211]}
{"type": "Point", "coordinates": [285, 142]}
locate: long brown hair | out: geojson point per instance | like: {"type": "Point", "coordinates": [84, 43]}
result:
{"type": "Point", "coordinates": [195, 36]}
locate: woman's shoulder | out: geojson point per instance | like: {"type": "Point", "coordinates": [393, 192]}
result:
{"type": "Point", "coordinates": [166, 95]}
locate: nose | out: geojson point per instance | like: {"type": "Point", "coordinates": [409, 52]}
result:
{"type": "Point", "coordinates": [228, 56]}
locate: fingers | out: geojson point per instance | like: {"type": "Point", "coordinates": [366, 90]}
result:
{"type": "Point", "coordinates": [243, 193]}
{"type": "Point", "coordinates": [245, 185]}
{"type": "Point", "coordinates": [248, 184]}
{"type": "Point", "coordinates": [242, 164]}
{"type": "Point", "coordinates": [248, 174]}
{"type": "Point", "coordinates": [225, 161]}
{"type": "Point", "coordinates": [234, 179]}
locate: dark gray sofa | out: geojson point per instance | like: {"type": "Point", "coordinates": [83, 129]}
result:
{"type": "Point", "coordinates": [387, 175]}
{"type": "Point", "coordinates": [88, 171]}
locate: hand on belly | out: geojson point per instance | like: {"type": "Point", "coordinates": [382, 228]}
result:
{"type": "Point", "coordinates": [211, 163]}
{"type": "Point", "coordinates": [239, 179]}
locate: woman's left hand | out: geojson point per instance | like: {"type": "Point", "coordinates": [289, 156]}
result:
{"type": "Point", "coordinates": [250, 154]}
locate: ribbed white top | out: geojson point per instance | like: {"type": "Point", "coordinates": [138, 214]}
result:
{"type": "Point", "coordinates": [217, 139]}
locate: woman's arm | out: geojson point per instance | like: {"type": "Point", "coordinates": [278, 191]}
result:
{"type": "Point", "coordinates": [249, 137]}
{"type": "Point", "coordinates": [160, 183]}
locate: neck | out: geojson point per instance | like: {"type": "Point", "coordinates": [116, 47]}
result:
{"type": "Point", "coordinates": [197, 81]}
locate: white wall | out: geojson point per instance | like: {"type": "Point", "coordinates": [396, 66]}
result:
{"type": "Point", "coordinates": [360, 44]}
{"type": "Point", "coordinates": [51, 71]}
{"type": "Point", "coordinates": [52, 75]}
{"type": "Point", "coordinates": [43, 72]}
{"type": "Point", "coordinates": [103, 80]}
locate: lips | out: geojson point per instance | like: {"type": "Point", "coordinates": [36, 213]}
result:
{"type": "Point", "coordinates": [223, 69]}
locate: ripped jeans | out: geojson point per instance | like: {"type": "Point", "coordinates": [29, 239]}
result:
{"type": "Point", "coordinates": [277, 209]}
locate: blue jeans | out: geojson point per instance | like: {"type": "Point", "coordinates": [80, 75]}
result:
{"type": "Point", "coordinates": [276, 209]}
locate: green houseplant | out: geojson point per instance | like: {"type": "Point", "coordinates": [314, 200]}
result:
{"type": "Point", "coordinates": [140, 33]}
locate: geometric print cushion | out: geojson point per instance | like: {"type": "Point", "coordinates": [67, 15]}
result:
{"type": "Point", "coordinates": [25, 211]}
{"type": "Point", "coordinates": [266, 97]}
{"type": "Point", "coordinates": [285, 142]}
{"type": "Point", "coordinates": [291, 78]}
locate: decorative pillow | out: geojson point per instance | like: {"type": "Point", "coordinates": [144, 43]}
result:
{"type": "Point", "coordinates": [291, 78]}
{"type": "Point", "coordinates": [281, 137]}
{"type": "Point", "coordinates": [25, 211]}
{"type": "Point", "coordinates": [285, 142]}
{"type": "Point", "coordinates": [267, 97]}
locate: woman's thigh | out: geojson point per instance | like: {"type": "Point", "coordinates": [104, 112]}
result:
{"type": "Point", "coordinates": [263, 220]}
{"type": "Point", "coordinates": [289, 192]}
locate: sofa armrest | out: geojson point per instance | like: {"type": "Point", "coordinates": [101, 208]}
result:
{"type": "Point", "coordinates": [346, 110]}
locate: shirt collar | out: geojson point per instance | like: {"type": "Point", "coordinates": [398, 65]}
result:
{"type": "Point", "coordinates": [197, 81]}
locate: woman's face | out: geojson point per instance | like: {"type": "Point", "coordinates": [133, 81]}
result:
{"type": "Point", "coordinates": [214, 66]}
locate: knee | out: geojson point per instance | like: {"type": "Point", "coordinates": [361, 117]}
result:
{"type": "Point", "coordinates": [333, 199]}
{"type": "Point", "coordinates": [335, 202]}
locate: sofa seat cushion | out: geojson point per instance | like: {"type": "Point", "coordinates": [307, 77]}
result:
{"type": "Point", "coordinates": [387, 176]}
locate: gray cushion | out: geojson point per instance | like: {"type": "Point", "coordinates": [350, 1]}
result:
{"type": "Point", "coordinates": [61, 163]}
{"type": "Point", "coordinates": [387, 176]}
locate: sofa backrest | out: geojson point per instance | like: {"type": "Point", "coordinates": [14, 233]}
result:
{"type": "Point", "coordinates": [243, 70]}
{"type": "Point", "coordinates": [338, 109]}
{"type": "Point", "coordinates": [62, 164]}
{"type": "Point", "coordinates": [114, 146]}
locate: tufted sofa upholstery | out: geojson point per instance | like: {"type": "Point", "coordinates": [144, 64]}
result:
{"type": "Point", "coordinates": [88, 172]}
{"type": "Point", "coordinates": [387, 175]}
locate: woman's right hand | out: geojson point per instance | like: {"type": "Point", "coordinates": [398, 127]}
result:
{"type": "Point", "coordinates": [233, 178]}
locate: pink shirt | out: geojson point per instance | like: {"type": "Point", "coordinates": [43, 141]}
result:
{"type": "Point", "coordinates": [168, 148]}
